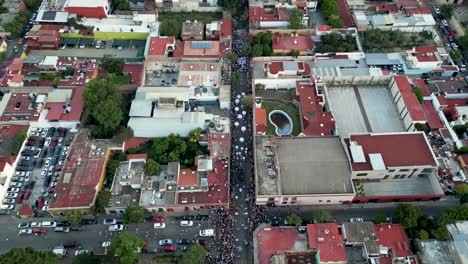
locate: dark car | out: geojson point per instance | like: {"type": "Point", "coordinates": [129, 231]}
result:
{"type": "Point", "coordinates": [202, 217]}
{"type": "Point", "coordinates": [88, 221]}
{"type": "Point", "coordinates": [63, 223]}
{"type": "Point", "coordinates": [29, 185]}
{"type": "Point", "coordinates": [76, 228]}
{"type": "Point", "coordinates": [69, 244]}
{"type": "Point", "coordinates": [184, 242]}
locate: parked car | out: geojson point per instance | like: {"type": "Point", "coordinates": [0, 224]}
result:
{"type": "Point", "coordinates": [170, 248]}
{"type": "Point", "coordinates": [106, 244]}
{"type": "Point", "coordinates": [11, 195]}
{"type": "Point", "coordinates": [88, 221]}
{"type": "Point", "coordinates": [23, 232]}
{"type": "Point", "coordinates": [186, 223]}
{"type": "Point", "coordinates": [165, 242]}
{"type": "Point", "coordinates": [81, 252]}
{"type": "Point", "coordinates": [159, 225]}
{"type": "Point", "coordinates": [98, 44]}
{"type": "Point", "coordinates": [36, 224]}
{"type": "Point", "coordinates": [206, 232]}
{"type": "Point", "coordinates": [184, 242]}
{"type": "Point", "coordinates": [116, 228]}
{"type": "Point", "coordinates": [110, 221]}
{"type": "Point", "coordinates": [16, 184]}
{"type": "Point", "coordinates": [39, 231]}
{"type": "Point", "coordinates": [13, 190]}
{"type": "Point", "coordinates": [69, 244]}
{"type": "Point", "coordinates": [63, 229]}
{"type": "Point", "coordinates": [356, 220]}
{"type": "Point", "coordinates": [9, 201]}
{"type": "Point", "coordinates": [49, 224]}
{"type": "Point", "coordinates": [156, 218]}
{"type": "Point", "coordinates": [23, 225]}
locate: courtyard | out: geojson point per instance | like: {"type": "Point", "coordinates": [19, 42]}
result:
{"type": "Point", "coordinates": [289, 108]}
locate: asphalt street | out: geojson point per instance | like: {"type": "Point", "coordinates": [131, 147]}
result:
{"type": "Point", "coordinates": [93, 235]}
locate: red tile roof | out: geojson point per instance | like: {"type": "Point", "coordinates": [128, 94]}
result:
{"type": "Point", "coordinates": [137, 156]}
{"type": "Point", "coordinates": [259, 14]}
{"type": "Point", "coordinates": [316, 122]}
{"type": "Point", "coordinates": [397, 150]}
{"type": "Point", "coordinates": [226, 29]}
{"type": "Point", "coordinates": [464, 157]}
{"type": "Point", "coordinates": [421, 84]}
{"type": "Point", "coordinates": [18, 107]}
{"type": "Point", "coordinates": [425, 54]}
{"type": "Point", "coordinates": [187, 177]}
{"type": "Point", "coordinates": [393, 237]}
{"type": "Point", "coordinates": [414, 6]}
{"type": "Point", "coordinates": [157, 45]}
{"type": "Point", "coordinates": [12, 130]}
{"type": "Point", "coordinates": [275, 67]}
{"type": "Point", "coordinates": [277, 240]}
{"type": "Point", "coordinates": [411, 102]}
{"type": "Point", "coordinates": [433, 119]}
{"type": "Point", "coordinates": [134, 142]}
{"type": "Point", "coordinates": [292, 42]}
{"type": "Point", "coordinates": [16, 65]}
{"type": "Point", "coordinates": [324, 28]}
{"type": "Point", "coordinates": [345, 14]}
{"type": "Point", "coordinates": [56, 110]}
{"type": "Point", "coordinates": [17, 78]}
{"type": "Point", "coordinates": [135, 71]}
{"type": "Point", "coordinates": [328, 240]}
{"type": "Point", "coordinates": [260, 120]}
{"type": "Point", "coordinates": [6, 160]}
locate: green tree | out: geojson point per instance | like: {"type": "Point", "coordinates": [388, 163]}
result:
{"type": "Point", "coordinates": [28, 255]}
{"type": "Point", "coordinates": [170, 27]}
{"type": "Point", "coordinates": [126, 246]}
{"type": "Point", "coordinates": [464, 40]}
{"type": "Point", "coordinates": [407, 215]}
{"type": "Point", "coordinates": [378, 219]}
{"type": "Point", "coordinates": [86, 259]}
{"type": "Point", "coordinates": [103, 101]}
{"type": "Point", "coordinates": [112, 65]}
{"type": "Point", "coordinates": [426, 34]}
{"type": "Point", "coordinates": [194, 135]}
{"type": "Point", "coordinates": [73, 216]}
{"type": "Point", "coordinates": [461, 189]}
{"type": "Point", "coordinates": [3, 9]}
{"type": "Point", "coordinates": [134, 214]}
{"type": "Point", "coordinates": [447, 10]}
{"type": "Point", "coordinates": [194, 255]}
{"type": "Point", "coordinates": [247, 102]}
{"type": "Point", "coordinates": [323, 216]}
{"type": "Point", "coordinates": [335, 22]}
{"type": "Point", "coordinates": [122, 5]}
{"type": "Point", "coordinates": [456, 54]}
{"type": "Point", "coordinates": [418, 93]}
{"type": "Point", "coordinates": [102, 201]}
{"type": "Point", "coordinates": [17, 142]}
{"type": "Point", "coordinates": [295, 220]}
{"type": "Point", "coordinates": [295, 19]}
{"type": "Point", "coordinates": [464, 199]}
{"type": "Point", "coordinates": [31, 3]}
{"type": "Point", "coordinates": [423, 234]}
{"type": "Point", "coordinates": [152, 167]}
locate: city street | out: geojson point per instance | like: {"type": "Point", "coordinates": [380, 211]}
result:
{"type": "Point", "coordinates": [93, 235]}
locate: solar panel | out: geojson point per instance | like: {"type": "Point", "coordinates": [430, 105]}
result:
{"type": "Point", "coordinates": [201, 44]}
{"type": "Point", "coordinates": [49, 15]}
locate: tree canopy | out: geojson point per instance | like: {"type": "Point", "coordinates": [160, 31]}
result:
{"type": "Point", "coordinates": [125, 245]}
{"type": "Point", "coordinates": [28, 255]}
{"type": "Point", "coordinates": [295, 220]}
{"type": "Point", "coordinates": [170, 27]}
{"type": "Point", "coordinates": [194, 255]}
{"type": "Point", "coordinates": [295, 19]}
{"type": "Point", "coordinates": [73, 216]}
{"type": "Point", "coordinates": [86, 259]}
{"type": "Point", "coordinates": [152, 167]}
{"type": "Point", "coordinates": [378, 219]}
{"type": "Point", "coordinates": [17, 141]}
{"type": "Point", "coordinates": [103, 101]}
{"type": "Point", "coordinates": [464, 40]}
{"type": "Point", "coordinates": [331, 13]}
{"type": "Point", "coordinates": [31, 3]}
{"type": "Point", "coordinates": [418, 93]}
{"type": "Point", "coordinates": [247, 102]}
{"type": "Point", "coordinates": [447, 10]}
{"type": "Point", "coordinates": [377, 40]}
{"type": "Point", "coordinates": [335, 42]}
{"type": "Point", "coordinates": [262, 45]}
{"type": "Point", "coordinates": [102, 201]}
{"type": "Point", "coordinates": [17, 25]}
{"type": "Point", "coordinates": [323, 216]}
{"type": "Point", "coordinates": [408, 215]}
{"type": "Point", "coordinates": [134, 214]}
{"type": "Point", "coordinates": [112, 65]}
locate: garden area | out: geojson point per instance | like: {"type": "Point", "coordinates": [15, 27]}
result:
{"type": "Point", "coordinates": [289, 108]}
{"type": "Point", "coordinates": [376, 40]}
{"type": "Point", "coordinates": [171, 22]}
{"type": "Point", "coordinates": [335, 42]}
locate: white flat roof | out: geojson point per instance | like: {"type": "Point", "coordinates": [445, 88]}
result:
{"type": "Point", "coordinates": [377, 161]}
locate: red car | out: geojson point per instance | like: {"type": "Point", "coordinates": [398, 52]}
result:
{"type": "Point", "coordinates": [157, 219]}
{"type": "Point", "coordinates": [170, 249]}
{"type": "Point", "coordinates": [58, 168]}
{"type": "Point", "coordinates": [39, 231]}
{"type": "Point", "coordinates": [40, 202]}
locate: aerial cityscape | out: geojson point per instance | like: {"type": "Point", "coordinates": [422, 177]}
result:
{"type": "Point", "coordinates": [234, 131]}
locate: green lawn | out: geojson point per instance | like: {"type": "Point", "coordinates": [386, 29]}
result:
{"type": "Point", "coordinates": [288, 107]}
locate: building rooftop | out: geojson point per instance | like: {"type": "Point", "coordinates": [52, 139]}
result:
{"type": "Point", "coordinates": [426, 54]}
{"type": "Point", "coordinates": [7, 133]}
{"type": "Point", "coordinates": [206, 73]}
{"type": "Point", "coordinates": [192, 29]}
{"type": "Point", "coordinates": [259, 14]}
{"type": "Point", "coordinates": [21, 106]}
{"type": "Point", "coordinates": [297, 42]}
{"type": "Point", "coordinates": [435, 251]}
{"type": "Point", "coordinates": [127, 182]}
{"type": "Point", "coordinates": [278, 240]}
{"type": "Point", "coordinates": [69, 109]}
{"type": "Point", "coordinates": [201, 48]}
{"type": "Point", "coordinates": [159, 45]}
{"type": "Point", "coordinates": [260, 120]}
{"type": "Point", "coordinates": [328, 240]}
{"type": "Point", "coordinates": [82, 175]}
{"type": "Point", "coordinates": [459, 234]}
{"type": "Point", "coordinates": [315, 121]}
{"type": "Point", "coordinates": [393, 237]}
{"type": "Point", "coordinates": [384, 58]}
{"type": "Point", "coordinates": [404, 187]}
{"type": "Point", "coordinates": [289, 166]}
{"type": "Point", "coordinates": [395, 150]}
{"type": "Point", "coordinates": [414, 7]}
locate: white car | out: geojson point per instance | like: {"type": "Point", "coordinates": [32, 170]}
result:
{"type": "Point", "coordinates": [106, 244]}
{"type": "Point", "coordinates": [16, 184]}
{"type": "Point", "coordinates": [186, 223]}
{"type": "Point", "coordinates": [49, 224]}
{"type": "Point", "coordinates": [43, 173]}
{"type": "Point", "coordinates": [165, 242]}
{"type": "Point", "coordinates": [20, 173]}
{"type": "Point", "coordinates": [23, 232]}
{"type": "Point", "coordinates": [82, 46]}
{"type": "Point", "coordinates": [437, 10]}
{"type": "Point", "coordinates": [44, 132]}
{"type": "Point", "coordinates": [36, 224]}
{"type": "Point", "coordinates": [47, 162]}
{"type": "Point", "coordinates": [9, 201]}
{"type": "Point", "coordinates": [159, 225]}
{"type": "Point", "coordinates": [110, 221]}
{"type": "Point", "coordinates": [47, 141]}
{"type": "Point", "coordinates": [23, 225]}
{"type": "Point", "coordinates": [444, 22]}
{"type": "Point", "coordinates": [356, 220]}
{"type": "Point", "coordinates": [11, 195]}
{"type": "Point", "coordinates": [98, 44]}
{"type": "Point", "coordinates": [81, 252]}
{"type": "Point", "coordinates": [13, 190]}
{"type": "Point", "coordinates": [116, 228]}
{"type": "Point", "coordinates": [206, 232]}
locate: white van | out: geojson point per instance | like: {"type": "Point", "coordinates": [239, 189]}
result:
{"type": "Point", "coordinates": [49, 224]}
{"type": "Point", "coordinates": [207, 232]}
{"type": "Point", "coordinates": [186, 223]}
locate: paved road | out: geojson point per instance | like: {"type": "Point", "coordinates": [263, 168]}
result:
{"type": "Point", "coordinates": [88, 53]}
{"type": "Point", "coordinates": [93, 235]}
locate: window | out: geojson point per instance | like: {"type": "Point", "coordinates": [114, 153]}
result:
{"type": "Point", "coordinates": [396, 176]}
{"type": "Point", "coordinates": [361, 174]}
{"type": "Point", "coordinates": [328, 201]}
{"type": "Point", "coordinates": [386, 177]}
{"type": "Point", "coordinates": [284, 202]}
{"type": "Point", "coordinates": [404, 170]}
{"type": "Point", "coordinates": [391, 170]}
{"type": "Point", "coordinates": [320, 201]}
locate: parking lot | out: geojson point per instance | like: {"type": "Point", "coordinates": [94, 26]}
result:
{"type": "Point", "coordinates": [39, 167]}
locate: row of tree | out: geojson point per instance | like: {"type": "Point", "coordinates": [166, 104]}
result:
{"type": "Point", "coordinates": [18, 24]}
{"type": "Point", "coordinates": [377, 40]}
{"type": "Point", "coordinates": [335, 42]}
{"type": "Point", "coordinates": [262, 45]}
{"type": "Point", "coordinates": [330, 11]}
